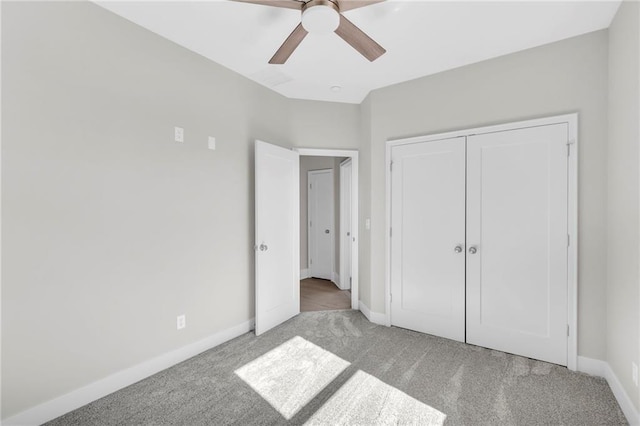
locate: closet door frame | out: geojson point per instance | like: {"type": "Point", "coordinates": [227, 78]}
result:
{"type": "Point", "coordinates": [572, 220]}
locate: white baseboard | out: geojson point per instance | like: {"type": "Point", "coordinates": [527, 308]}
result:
{"type": "Point", "coordinates": [364, 309]}
{"type": "Point", "coordinates": [599, 368]}
{"type": "Point", "coordinates": [335, 278]}
{"type": "Point", "coordinates": [593, 367]}
{"type": "Point", "coordinates": [629, 410]}
{"type": "Point", "coordinates": [75, 399]}
{"type": "Point", "coordinates": [374, 317]}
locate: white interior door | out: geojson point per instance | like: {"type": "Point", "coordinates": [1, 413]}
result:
{"type": "Point", "coordinates": [345, 224]}
{"type": "Point", "coordinates": [321, 225]}
{"type": "Point", "coordinates": [517, 242]}
{"type": "Point", "coordinates": [277, 193]}
{"type": "Point", "coordinates": [428, 234]}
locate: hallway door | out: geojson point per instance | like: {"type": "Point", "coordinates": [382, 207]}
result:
{"type": "Point", "coordinates": [321, 225]}
{"type": "Point", "coordinates": [346, 238]}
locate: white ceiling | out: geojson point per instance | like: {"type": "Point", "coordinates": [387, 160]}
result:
{"type": "Point", "coordinates": [421, 38]}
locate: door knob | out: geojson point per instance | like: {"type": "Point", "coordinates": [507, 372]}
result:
{"type": "Point", "coordinates": [263, 247]}
{"type": "Point", "coordinates": [326, 231]}
{"type": "Point", "coordinates": [458, 249]}
{"type": "Point", "coordinates": [473, 250]}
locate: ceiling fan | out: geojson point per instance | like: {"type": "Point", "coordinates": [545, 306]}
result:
{"type": "Point", "coordinates": [323, 16]}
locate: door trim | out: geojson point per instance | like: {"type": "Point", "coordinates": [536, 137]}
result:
{"type": "Point", "coordinates": [572, 220]}
{"type": "Point", "coordinates": [332, 250]}
{"type": "Point", "coordinates": [353, 155]}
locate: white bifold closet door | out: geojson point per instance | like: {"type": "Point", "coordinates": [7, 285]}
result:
{"type": "Point", "coordinates": [517, 226]}
{"type": "Point", "coordinates": [427, 217]}
{"type": "Point", "coordinates": [479, 240]}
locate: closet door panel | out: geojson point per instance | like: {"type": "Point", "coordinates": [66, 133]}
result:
{"type": "Point", "coordinates": [427, 216]}
{"type": "Point", "coordinates": [517, 224]}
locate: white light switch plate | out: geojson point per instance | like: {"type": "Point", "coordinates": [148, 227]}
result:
{"type": "Point", "coordinates": [178, 134]}
{"type": "Point", "coordinates": [367, 224]}
{"type": "Point", "coordinates": [212, 142]}
{"type": "Point", "coordinates": [181, 321]}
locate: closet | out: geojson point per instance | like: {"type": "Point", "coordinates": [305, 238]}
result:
{"type": "Point", "coordinates": [479, 238]}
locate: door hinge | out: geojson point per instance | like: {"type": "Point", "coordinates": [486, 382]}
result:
{"type": "Point", "coordinates": [390, 297]}
{"type": "Point", "coordinates": [568, 240]}
{"type": "Point", "coordinates": [391, 166]}
{"type": "Point", "coordinates": [390, 232]}
{"type": "Point", "coordinates": [568, 334]}
{"type": "Point", "coordinates": [310, 186]}
{"type": "Point", "coordinates": [569, 143]}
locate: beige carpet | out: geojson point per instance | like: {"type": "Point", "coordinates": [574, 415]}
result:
{"type": "Point", "coordinates": [322, 295]}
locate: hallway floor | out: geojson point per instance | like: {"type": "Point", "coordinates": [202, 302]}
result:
{"type": "Point", "coordinates": [322, 295]}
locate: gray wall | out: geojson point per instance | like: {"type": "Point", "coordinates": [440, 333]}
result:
{"type": "Point", "coordinates": [563, 77]}
{"type": "Point", "coordinates": [623, 295]}
{"type": "Point", "coordinates": [111, 229]}
{"type": "Point", "coordinates": [325, 125]}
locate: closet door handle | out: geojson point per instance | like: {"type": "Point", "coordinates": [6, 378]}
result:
{"type": "Point", "coordinates": [458, 249]}
{"type": "Point", "coordinates": [473, 250]}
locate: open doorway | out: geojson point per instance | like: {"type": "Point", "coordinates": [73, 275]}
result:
{"type": "Point", "coordinates": [277, 231]}
{"type": "Point", "coordinates": [328, 216]}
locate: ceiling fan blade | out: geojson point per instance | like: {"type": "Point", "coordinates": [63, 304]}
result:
{"type": "Point", "coordinates": [359, 40]}
{"type": "Point", "coordinates": [288, 4]}
{"type": "Point", "coordinates": [354, 4]}
{"type": "Point", "coordinates": [289, 45]}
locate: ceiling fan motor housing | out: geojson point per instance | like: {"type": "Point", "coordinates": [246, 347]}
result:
{"type": "Point", "coordinates": [320, 16]}
{"type": "Point", "coordinates": [323, 16]}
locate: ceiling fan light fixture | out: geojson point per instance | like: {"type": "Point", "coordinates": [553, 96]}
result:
{"type": "Point", "coordinates": [320, 16]}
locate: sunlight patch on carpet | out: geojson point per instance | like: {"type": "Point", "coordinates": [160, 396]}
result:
{"type": "Point", "coordinates": [291, 375]}
{"type": "Point", "coordinates": [366, 400]}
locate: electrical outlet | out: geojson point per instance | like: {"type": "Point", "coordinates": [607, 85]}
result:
{"type": "Point", "coordinates": [178, 134]}
{"type": "Point", "coordinates": [181, 321]}
{"type": "Point", "coordinates": [634, 373]}
{"type": "Point", "coordinates": [212, 143]}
